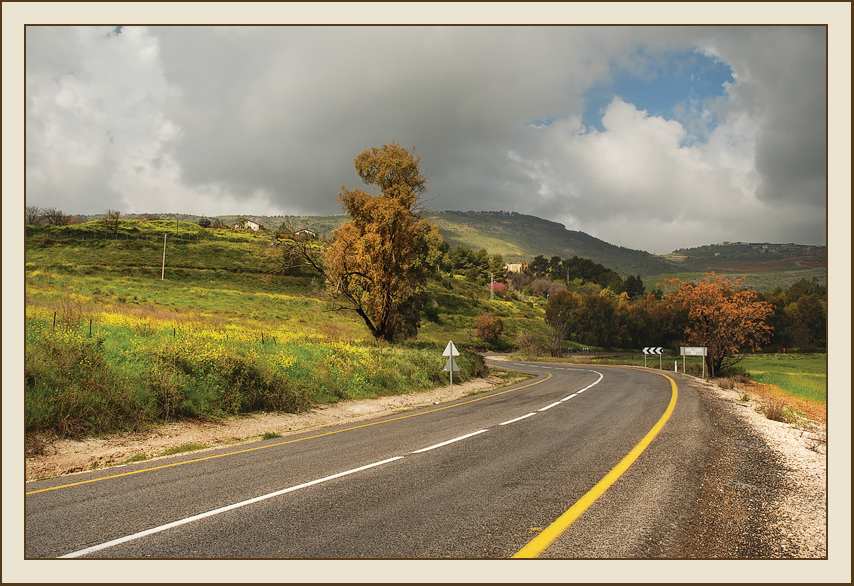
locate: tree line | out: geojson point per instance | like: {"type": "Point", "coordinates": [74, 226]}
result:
{"type": "Point", "coordinates": [715, 312]}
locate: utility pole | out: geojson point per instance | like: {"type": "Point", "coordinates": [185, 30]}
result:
{"type": "Point", "coordinates": [491, 287]}
{"type": "Point", "coordinates": [163, 270]}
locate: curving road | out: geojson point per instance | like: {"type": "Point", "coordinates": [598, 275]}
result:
{"type": "Point", "coordinates": [482, 477]}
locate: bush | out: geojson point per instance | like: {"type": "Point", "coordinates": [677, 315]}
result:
{"type": "Point", "coordinates": [773, 410]}
{"type": "Point", "coordinates": [498, 288]}
{"type": "Point", "coordinates": [489, 327]}
{"type": "Point", "coordinates": [530, 344]}
{"type": "Point", "coordinates": [72, 390]}
{"type": "Point", "coordinates": [431, 312]}
{"type": "Point", "coordinates": [545, 287]}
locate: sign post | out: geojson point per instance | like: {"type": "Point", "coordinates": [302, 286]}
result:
{"type": "Point", "coordinates": [451, 366]}
{"type": "Point", "coordinates": [693, 351]}
{"type": "Point", "coordinates": [653, 350]}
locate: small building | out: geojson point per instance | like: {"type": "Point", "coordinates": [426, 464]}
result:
{"type": "Point", "coordinates": [305, 234]}
{"type": "Point", "coordinates": [247, 224]}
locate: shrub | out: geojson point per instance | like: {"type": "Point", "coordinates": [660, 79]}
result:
{"type": "Point", "coordinates": [545, 287]}
{"type": "Point", "coordinates": [775, 410]}
{"type": "Point", "coordinates": [498, 288]}
{"type": "Point", "coordinates": [72, 390]}
{"type": "Point", "coordinates": [489, 327]}
{"type": "Point", "coordinates": [529, 344]}
{"type": "Point", "coordinates": [431, 312]}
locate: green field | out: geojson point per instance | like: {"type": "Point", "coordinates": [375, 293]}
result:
{"type": "Point", "coordinates": [800, 375]}
{"type": "Point", "coordinates": [115, 343]}
{"type": "Point", "coordinates": [761, 281]}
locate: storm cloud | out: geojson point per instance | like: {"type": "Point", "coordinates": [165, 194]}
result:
{"type": "Point", "coordinates": [268, 120]}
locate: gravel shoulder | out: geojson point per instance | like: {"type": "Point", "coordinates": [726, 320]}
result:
{"type": "Point", "coordinates": [763, 493]}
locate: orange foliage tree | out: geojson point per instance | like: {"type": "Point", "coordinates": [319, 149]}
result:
{"type": "Point", "coordinates": [379, 260]}
{"type": "Point", "coordinates": [722, 317]}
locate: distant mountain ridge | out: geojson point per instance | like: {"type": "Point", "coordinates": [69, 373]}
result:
{"type": "Point", "coordinates": [520, 237]}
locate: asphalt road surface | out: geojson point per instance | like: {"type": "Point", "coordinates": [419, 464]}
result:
{"type": "Point", "coordinates": [488, 476]}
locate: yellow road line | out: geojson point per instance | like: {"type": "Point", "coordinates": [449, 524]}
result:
{"type": "Point", "coordinates": [543, 540]}
{"type": "Point", "coordinates": [510, 390]}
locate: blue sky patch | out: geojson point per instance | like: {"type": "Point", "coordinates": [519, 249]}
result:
{"type": "Point", "coordinates": [672, 86]}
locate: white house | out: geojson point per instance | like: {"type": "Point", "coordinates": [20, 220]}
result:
{"type": "Point", "coordinates": [305, 233]}
{"type": "Point", "coordinates": [247, 224]}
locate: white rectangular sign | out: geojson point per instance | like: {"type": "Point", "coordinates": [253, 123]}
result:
{"type": "Point", "coordinates": [692, 351]}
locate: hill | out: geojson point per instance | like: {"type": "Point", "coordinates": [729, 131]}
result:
{"type": "Point", "coordinates": [519, 238]}
{"type": "Point", "coordinates": [750, 256]}
{"type": "Point", "coordinates": [121, 335]}
{"type": "Point", "coordinates": [516, 237]}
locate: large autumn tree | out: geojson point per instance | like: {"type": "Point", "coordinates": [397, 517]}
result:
{"type": "Point", "coordinates": [377, 262]}
{"type": "Point", "coordinates": [722, 317]}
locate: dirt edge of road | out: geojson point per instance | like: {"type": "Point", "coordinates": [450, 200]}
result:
{"type": "Point", "coordinates": [50, 457]}
{"type": "Point", "coordinates": [764, 491]}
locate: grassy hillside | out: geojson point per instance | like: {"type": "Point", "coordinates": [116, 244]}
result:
{"type": "Point", "coordinates": [235, 280]}
{"type": "Point", "coordinates": [519, 238]}
{"type": "Point", "coordinates": [745, 256]}
{"type": "Point", "coordinates": [111, 345]}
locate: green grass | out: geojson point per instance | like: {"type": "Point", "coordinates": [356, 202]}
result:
{"type": "Point", "coordinates": [110, 346]}
{"type": "Point", "coordinates": [800, 375]}
{"type": "Point", "coordinates": [761, 281]}
{"type": "Point", "coordinates": [133, 372]}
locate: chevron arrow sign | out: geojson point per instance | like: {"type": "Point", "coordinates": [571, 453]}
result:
{"type": "Point", "coordinates": [653, 350]}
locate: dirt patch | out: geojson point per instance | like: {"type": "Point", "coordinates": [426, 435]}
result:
{"type": "Point", "coordinates": [48, 457]}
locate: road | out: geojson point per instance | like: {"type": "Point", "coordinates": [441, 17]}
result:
{"type": "Point", "coordinates": [482, 477]}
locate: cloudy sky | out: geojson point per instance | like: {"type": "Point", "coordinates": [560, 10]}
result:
{"type": "Point", "coordinates": [653, 138]}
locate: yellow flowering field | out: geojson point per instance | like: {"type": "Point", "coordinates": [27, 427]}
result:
{"type": "Point", "coordinates": [92, 370]}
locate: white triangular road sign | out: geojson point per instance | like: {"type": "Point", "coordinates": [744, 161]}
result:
{"type": "Point", "coordinates": [450, 350]}
{"type": "Point", "coordinates": [451, 365]}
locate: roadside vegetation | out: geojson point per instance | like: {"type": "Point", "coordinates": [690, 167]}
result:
{"type": "Point", "coordinates": [93, 370]}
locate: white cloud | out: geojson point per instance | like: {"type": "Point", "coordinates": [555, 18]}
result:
{"type": "Point", "coordinates": [638, 183]}
{"type": "Point", "coordinates": [268, 120]}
